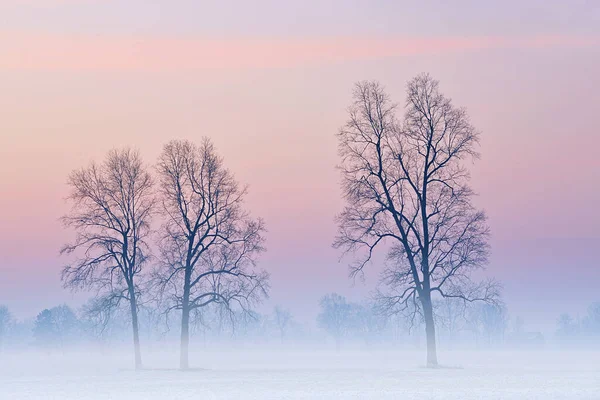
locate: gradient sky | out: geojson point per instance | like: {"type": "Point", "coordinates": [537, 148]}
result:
{"type": "Point", "coordinates": [269, 82]}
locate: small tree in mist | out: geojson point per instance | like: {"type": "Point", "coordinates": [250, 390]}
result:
{"type": "Point", "coordinates": [5, 324]}
{"type": "Point", "coordinates": [57, 328]}
{"type": "Point", "coordinates": [367, 323]}
{"type": "Point", "coordinates": [112, 206]}
{"type": "Point", "coordinates": [568, 327]}
{"type": "Point", "coordinates": [283, 318]}
{"type": "Point", "coordinates": [489, 322]}
{"type": "Point", "coordinates": [451, 316]}
{"type": "Point", "coordinates": [591, 322]}
{"type": "Point", "coordinates": [102, 324]}
{"type": "Point", "coordinates": [45, 331]}
{"type": "Point", "coordinates": [209, 243]}
{"type": "Point", "coordinates": [335, 317]}
{"type": "Point", "coordinates": [68, 328]}
{"type": "Point", "coordinates": [406, 186]}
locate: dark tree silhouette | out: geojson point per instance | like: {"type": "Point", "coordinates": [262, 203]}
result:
{"type": "Point", "coordinates": [209, 243]}
{"type": "Point", "coordinates": [112, 207]}
{"type": "Point", "coordinates": [406, 185]}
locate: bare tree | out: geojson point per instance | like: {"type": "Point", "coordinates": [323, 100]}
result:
{"type": "Point", "coordinates": [406, 185]}
{"type": "Point", "coordinates": [68, 327]}
{"type": "Point", "coordinates": [366, 322]}
{"type": "Point", "coordinates": [568, 327]}
{"type": "Point", "coordinates": [112, 207]}
{"type": "Point", "coordinates": [591, 322]}
{"type": "Point", "coordinates": [335, 316]}
{"type": "Point", "coordinates": [489, 322]}
{"type": "Point", "coordinates": [5, 323]}
{"type": "Point", "coordinates": [209, 244]}
{"type": "Point", "coordinates": [451, 314]}
{"type": "Point", "coordinates": [97, 319]}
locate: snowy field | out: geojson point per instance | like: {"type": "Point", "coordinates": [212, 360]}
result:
{"type": "Point", "coordinates": [305, 375]}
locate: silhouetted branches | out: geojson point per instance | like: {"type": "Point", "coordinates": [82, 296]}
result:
{"type": "Point", "coordinates": [112, 204]}
{"type": "Point", "coordinates": [209, 244]}
{"type": "Point", "coordinates": [406, 188]}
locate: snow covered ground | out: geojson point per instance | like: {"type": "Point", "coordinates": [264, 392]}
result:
{"type": "Point", "coordinates": [307, 374]}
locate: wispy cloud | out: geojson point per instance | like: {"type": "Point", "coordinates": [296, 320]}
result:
{"type": "Point", "coordinates": [26, 52]}
{"type": "Point", "coordinates": [49, 3]}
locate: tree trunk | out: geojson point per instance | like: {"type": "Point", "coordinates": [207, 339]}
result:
{"type": "Point", "coordinates": [184, 362]}
{"type": "Point", "coordinates": [429, 331]}
{"type": "Point", "coordinates": [136, 329]}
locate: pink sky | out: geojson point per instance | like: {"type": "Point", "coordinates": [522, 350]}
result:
{"type": "Point", "coordinates": [273, 103]}
{"type": "Point", "coordinates": [155, 53]}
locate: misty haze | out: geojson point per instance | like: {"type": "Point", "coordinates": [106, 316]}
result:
{"type": "Point", "coordinates": [299, 200]}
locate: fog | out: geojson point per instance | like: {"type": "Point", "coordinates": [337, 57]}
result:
{"type": "Point", "coordinates": [484, 353]}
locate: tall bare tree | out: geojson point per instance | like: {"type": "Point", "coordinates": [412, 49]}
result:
{"type": "Point", "coordinates": [406, 185]}
{"type": "Point", "coordinates": [209, 242]}
{"type": "Point", "coordinates": [112, 206]}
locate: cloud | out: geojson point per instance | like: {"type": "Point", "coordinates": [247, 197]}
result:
{"type": "Point", "coordinates": [109, 53]}
{"type": "Point", "coordinates": [48, 3]}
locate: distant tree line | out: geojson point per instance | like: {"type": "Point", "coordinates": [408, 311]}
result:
{"type": "Point", "coordinates": [576, 330]}
{"type": "Point", "coordinates": [342, 323]}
